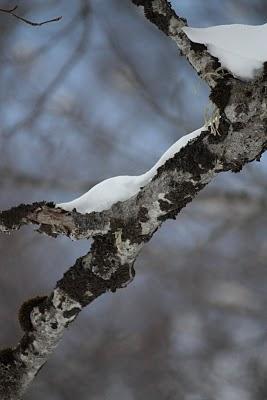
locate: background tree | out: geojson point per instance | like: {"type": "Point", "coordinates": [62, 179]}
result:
{"type": "Point", "coordinates": [205, 305]}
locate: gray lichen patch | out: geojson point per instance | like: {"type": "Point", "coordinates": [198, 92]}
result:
{"type": "Point", "coordinates": [82, 285]}
{"type": "Point", "coordinates": [178, 197]}
{"type": "Point", "coordinates": [14, 217]}
{"type": "Point", "coordinates": [131, 230]}
{"type": "Point", "coordinates": [221, 93]}
{"type": "Point", "coordinates": [25, 343]}
{"type": "Point", "coordinates": [79, 281]}
{"type": "Point", "coordinates": [95, 222]}
{"type": "Point", "coordinates": [195, 159]}
{"type": "Point", "coordinates": [158, 12]}
{"type": "Point", "coordinates": [11, 372]}
{"type": "Point", "coordinates": [221, 131]}
{"type": "Point", "coordinates": [26, 309]}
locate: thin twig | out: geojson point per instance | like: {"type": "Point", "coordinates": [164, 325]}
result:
{"type": "Point", "coordinates": [56, 81]}
{"type": "Point", "coordinates": [11, 12]}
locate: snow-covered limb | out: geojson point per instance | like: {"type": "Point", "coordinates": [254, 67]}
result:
{"type": "Point", "coordinates": [241, 49]}
{"type": "Point", "coordinates": [120, 232]}
{"type": "Point", "coordinates": [101, 197]}
{"type": "Point", "coordinates": [183, 160]}
{"type": "Point", "coordinates": [161, 13]}
{"type": "Point", "coordinates": [129, 225]}
{"type": "Point", "coordinates": [120, 188]}
{"type": "Point", "coordinates": [109, 265]}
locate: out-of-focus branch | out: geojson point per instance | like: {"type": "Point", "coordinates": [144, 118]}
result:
{"type": "Point", "coordinates": [239, 203]}
{"type": "Point", "coordinates": [51, 42]}
{"type": "Point", "coordinates": [27, 21]}
{"type": "Point", "coordinates": [13, 176]}
{"type": "Point", "coordinates": [136, 79]}
{"type": "Point", "coordinates": [59, 77]}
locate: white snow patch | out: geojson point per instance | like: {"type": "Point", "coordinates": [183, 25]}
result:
{"type": "Point", "coordinates": [242, 49]}
{"type": "Point", "coordinates": [120, 188]}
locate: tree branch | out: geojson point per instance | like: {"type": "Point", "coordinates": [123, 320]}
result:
{"type": "Point", "coordinates": [109, 265]}
{"type": "Point", "coordinates": [161, 14]}
{"type": "Point", "coordinates": [27, 21]}
{"type": "Point", "coordinates": [121, 232]}
{"type": "Point", "coordinates": [176, 183]}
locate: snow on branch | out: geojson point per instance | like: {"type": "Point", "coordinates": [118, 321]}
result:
{"type": "Point", "coordinates": [184, 169]}
{"type": "Point", "coordinates": [161, 14]}
{"type": "Point", "coordinates": [123, 224]}
{"type": "Point", "coordinates": [109, 265]}
{"type": "Point", "coordinates": [241, 49]}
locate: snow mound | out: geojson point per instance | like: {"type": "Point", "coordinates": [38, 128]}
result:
{"type": "Point", "coordinates": [120, 188]}
{"type": "Point", "coordinates": [241, 49]}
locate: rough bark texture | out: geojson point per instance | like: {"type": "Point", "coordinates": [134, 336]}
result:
{"type": "Point", "coordinates": [160, 13]}
{"type": "Point", "coordinates": [120, 233]}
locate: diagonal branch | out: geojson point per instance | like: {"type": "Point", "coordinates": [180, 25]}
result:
{"type": "Point", "coordinates": [120, 232]}
{"type": "Point", "coordinates": [176, 183]}
{"type": "Point", "coordinates": [109, 264]}
{"type": "Point", "coordinates": [161, 14]}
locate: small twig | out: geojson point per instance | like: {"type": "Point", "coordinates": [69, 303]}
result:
{"type": "Point", "coordinates": [11, 12]}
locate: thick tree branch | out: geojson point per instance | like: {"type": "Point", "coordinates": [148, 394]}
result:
{"type": "Point", "coordinates": [181, 177]}
{"type": "Point", "coordinates": [121, 232]}
{"type": "Point", "coordinates": [109, 265]}
{"type": "Point", "coordinates": [161, 13]}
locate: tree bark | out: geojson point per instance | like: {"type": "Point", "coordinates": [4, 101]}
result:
{"type": "Point", "coordinates": [120, 232]}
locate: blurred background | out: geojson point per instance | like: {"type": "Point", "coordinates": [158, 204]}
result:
{"type": "Point", "coordinates": [103, 93]}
